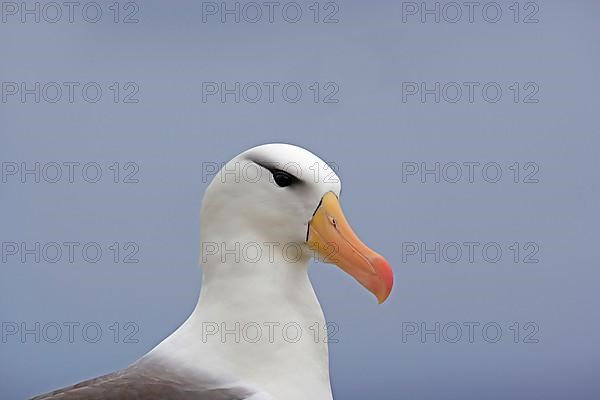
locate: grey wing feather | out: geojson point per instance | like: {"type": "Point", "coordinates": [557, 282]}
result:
{"type": "Point", "coordinates": [144, 383]}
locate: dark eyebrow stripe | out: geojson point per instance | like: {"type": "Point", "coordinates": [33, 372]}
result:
{"type": "Point", "coordinates": [272, 169]}
{"type": "Point", "coordinates": [264, 165]}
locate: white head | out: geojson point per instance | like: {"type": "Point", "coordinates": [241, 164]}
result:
{"type": "Point", "coordinates": [247, 192]}
{"type": "Point", "coordinates": [280, 193]}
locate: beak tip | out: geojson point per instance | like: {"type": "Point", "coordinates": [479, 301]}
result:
{"type": "Point", "coordinates": [386, 276]}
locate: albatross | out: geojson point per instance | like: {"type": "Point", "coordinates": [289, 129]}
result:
{"type": "Point", "coordinates": [254, 333]}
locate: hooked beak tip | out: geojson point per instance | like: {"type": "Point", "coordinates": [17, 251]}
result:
{"type": "Point", "coordinates": [386, 276]}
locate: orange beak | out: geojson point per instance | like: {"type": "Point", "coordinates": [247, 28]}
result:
{"type": "Point", "coordinates": [332, 239]}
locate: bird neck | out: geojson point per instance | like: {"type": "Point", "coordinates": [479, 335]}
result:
{"type": "Point", "coordinates": [260, 321]}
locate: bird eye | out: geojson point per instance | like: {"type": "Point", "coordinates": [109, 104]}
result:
{"type": "Point", "coordinates": [283, 179]}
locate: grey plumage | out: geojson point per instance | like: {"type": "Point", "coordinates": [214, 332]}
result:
{"type": "Point", "coordinates": [147, 381]}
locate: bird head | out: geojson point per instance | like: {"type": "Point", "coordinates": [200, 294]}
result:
{"type": "Point", "coordinates": [284, 194]}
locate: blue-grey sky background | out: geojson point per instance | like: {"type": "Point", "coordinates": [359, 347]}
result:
{"type": "Point", "coordinates": [170, 134]}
